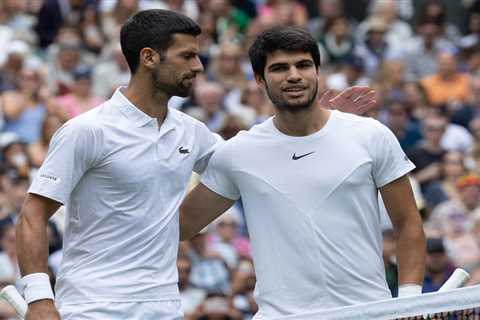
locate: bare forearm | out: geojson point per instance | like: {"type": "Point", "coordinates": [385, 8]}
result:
{"type": "Point", "coordinates": [200, 207]}
{"type": "Point", "coordinates": [32, 245]}
{"type": "Point", "coordinates": [411, 255]}
{"type": "Point", "coordinates": [31, 233]}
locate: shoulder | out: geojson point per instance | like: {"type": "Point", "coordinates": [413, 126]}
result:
{"type": "Point", "coordinates": [353, 121]}
{"type": "Point", "coordinates": [88, 124]}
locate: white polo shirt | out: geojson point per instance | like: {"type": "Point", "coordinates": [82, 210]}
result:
{"type": "Point", "coordinates": [122, 181]}
{"type": "Point", "coordinates": [311, 207]}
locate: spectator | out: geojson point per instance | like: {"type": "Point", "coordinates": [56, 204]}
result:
{"type": "Point", "coordinates": [428, 153]}
{"type": "Point", "coordinates": [406, 131]}
{"type": "Point", "coordinates": [447, 85]}
{"type": "Point", "coordinates": [209, 109]}
{"type": "Point", "coordinates": [423, 49]}
{"type": "Point", "coordinates": [226, 68]}
{"type": "Point", "coordinates": [337, 43]}
{"type": "Point", "coordinates": [81, 98]}
{"type": "Point", "coordinates": [37, 151]}
{"type": "Point", "coordinates": [25, 107]}
{"type": "Point", "coordinates": [110, 73]}
{"type": "Point", "coordinates": [191, 297]}
{"type": "Point", "coordinates": [438, 268]}
{"type": "Point", "coordinates": [375, 48]}
{"type": "Point", "coordinates": [351, 73]}
{"type": "Point", "coordinates": [209, 272]}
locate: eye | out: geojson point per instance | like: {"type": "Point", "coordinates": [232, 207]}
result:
{"type": "Point", "coordinates": [278, 68]}
{"type": "Point", "coordinates": [305, 65]}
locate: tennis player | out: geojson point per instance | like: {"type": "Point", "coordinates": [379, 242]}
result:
{"type": "Point", "coordinates": [122, 170]}
{"type": "Point", "coordinates": [309, 180]}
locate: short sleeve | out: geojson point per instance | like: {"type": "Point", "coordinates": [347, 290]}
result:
{"type": "Point", "coordinates": [72, 151]}
{"type": "Point", "coordinates": [390, 162]}
{"type": "Point", "coordinates": [208, 142]}
{"type": "Point", "coordinates": [218, 176]}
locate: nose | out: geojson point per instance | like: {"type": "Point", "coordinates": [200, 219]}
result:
{"type": "Point", "coordinates": [293, 75]}
{"type": "Point", "coordinates": [197, 65]}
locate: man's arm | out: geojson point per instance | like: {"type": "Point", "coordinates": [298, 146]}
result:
{"type": "Point", "coordinates": [32, 247]}
{"type": "Point", "coordinates": [408, 228]}
{"type": "Point", "coordinates": [200, 207]}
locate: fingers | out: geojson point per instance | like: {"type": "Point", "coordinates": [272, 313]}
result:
{"type": "Point", "coordinates": [354, 92]}
{"type": "Point", "coordinates": [326, 98]}
{"type": "Point", "coordinates": [370, 95]}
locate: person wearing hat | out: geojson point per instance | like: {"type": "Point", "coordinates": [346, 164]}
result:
{"type": "Point", "coordinates": [375, 48]}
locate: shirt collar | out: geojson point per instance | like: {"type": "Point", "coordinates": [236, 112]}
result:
{"type": "Point", "coordinates": [140, 118]}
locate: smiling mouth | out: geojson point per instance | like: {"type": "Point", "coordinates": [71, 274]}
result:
{"type": "Point", "coordinates": [294, 89]}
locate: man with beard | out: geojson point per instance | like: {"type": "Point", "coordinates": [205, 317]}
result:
{"type": "Point", "coordinates": [122, 169]}
{"type": "Point", "coordinates": [309, 180]}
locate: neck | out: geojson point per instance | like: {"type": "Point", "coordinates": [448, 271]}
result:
{"type": "Point", "coordinates": [301, 123]}
{"type": "Point", "coordinates": [144, 96]}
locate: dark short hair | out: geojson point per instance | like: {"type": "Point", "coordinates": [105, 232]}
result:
{"type": "Point", "coordinates": [290, 39]}
{"type": "Point", "coordinates": [154, 29]}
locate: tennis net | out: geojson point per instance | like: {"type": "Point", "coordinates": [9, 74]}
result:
{"type": "Point", "coordinates": [457, 304]}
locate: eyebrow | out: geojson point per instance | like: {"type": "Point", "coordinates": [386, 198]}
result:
{"type": "Point", "coordinates": [284, 64]}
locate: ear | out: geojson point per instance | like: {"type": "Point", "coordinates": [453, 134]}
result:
{"type": "Point", "coordinates": [260, 81]}
{"type": "Point", "coordinates": [149, 58]}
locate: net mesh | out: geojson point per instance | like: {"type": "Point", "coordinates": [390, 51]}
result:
{"type": "Point", "coordinates": [457, 304]}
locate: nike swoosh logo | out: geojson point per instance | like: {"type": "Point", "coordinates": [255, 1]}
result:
{"type": "Point", "coordinates": [295, 157]}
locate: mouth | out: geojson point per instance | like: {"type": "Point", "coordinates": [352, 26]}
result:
{"type": "Point", "coordinates": [295, 90]}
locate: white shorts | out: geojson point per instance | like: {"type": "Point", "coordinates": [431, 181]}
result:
{"type": "Point", "coordinates": [151, 310]}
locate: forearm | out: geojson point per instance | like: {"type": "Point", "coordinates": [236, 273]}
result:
{"type": "Point", "coordinates": [200, 207]}
{"type": "Point", "coordinates": [32, 247]}
{"type": "Point", "coordinates": [410, 254]}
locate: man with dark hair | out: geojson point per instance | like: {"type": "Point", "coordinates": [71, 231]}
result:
{"type": "Point", "coordinates": [309, 180]}
{"type": "Point", "coordinates": [121, 170]}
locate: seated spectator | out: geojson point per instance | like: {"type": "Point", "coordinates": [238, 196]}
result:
{"type": "Point", "coordinates": [25, 107]}
{"type": "Point", "coordinates": [447, 85]}
{"type": "Point", "coordinates": [243, 285]}
{"type": "Point", "coordinates": [407, 132]}
{"type": "Point", "coordinates": [438, 267]}
{"type": "Point", "coordinates": [37, 151]}
{"type": "Point", "coordinates": [285, 12]}
{"type": "Point", "coordinates": [231, 22]}
{"type": "Point", "coordinates": [226, 67]}
{"type": "Point", "coordinates": [209, 271]}
{"type": "Point", "coordinates": [14, 155]}
{"type": "Point", "coordinates": [191, 297]}
{"type": "Point", "coordinates": [422, 50]}
{"type": "Point", "coordinates": [226, 242]}
{"type": "Point", "coordinates": [428, 153]}
{"type": "Point", "coordinates": [209, 97]}
{"type": "Point", "coordinates": [375, 47]}
{"type": "Point", "coordinates": [337, 43]}
{"type": "Point", "coordinates": [81, 98]}
{"type": "Point", "coordinates": [351, 73]}
{"type": "Point", "coordinates": [111, 73]}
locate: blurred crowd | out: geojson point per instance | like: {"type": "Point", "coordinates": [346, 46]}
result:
{"type": "Point", "coordinates": [60, 58]}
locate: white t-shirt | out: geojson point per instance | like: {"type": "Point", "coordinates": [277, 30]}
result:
{"type": "Point", "coordinates": [311, 207]}
{"type": "Point", "coordinates": [122, 180]}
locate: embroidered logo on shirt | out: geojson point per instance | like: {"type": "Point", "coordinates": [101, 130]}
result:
{"type": "Point", "coordinates": [295, 157]}
{"type": "Point", "coordinates": [49, 177]}
{"type": "Point", "coordinates": [183, 150]}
